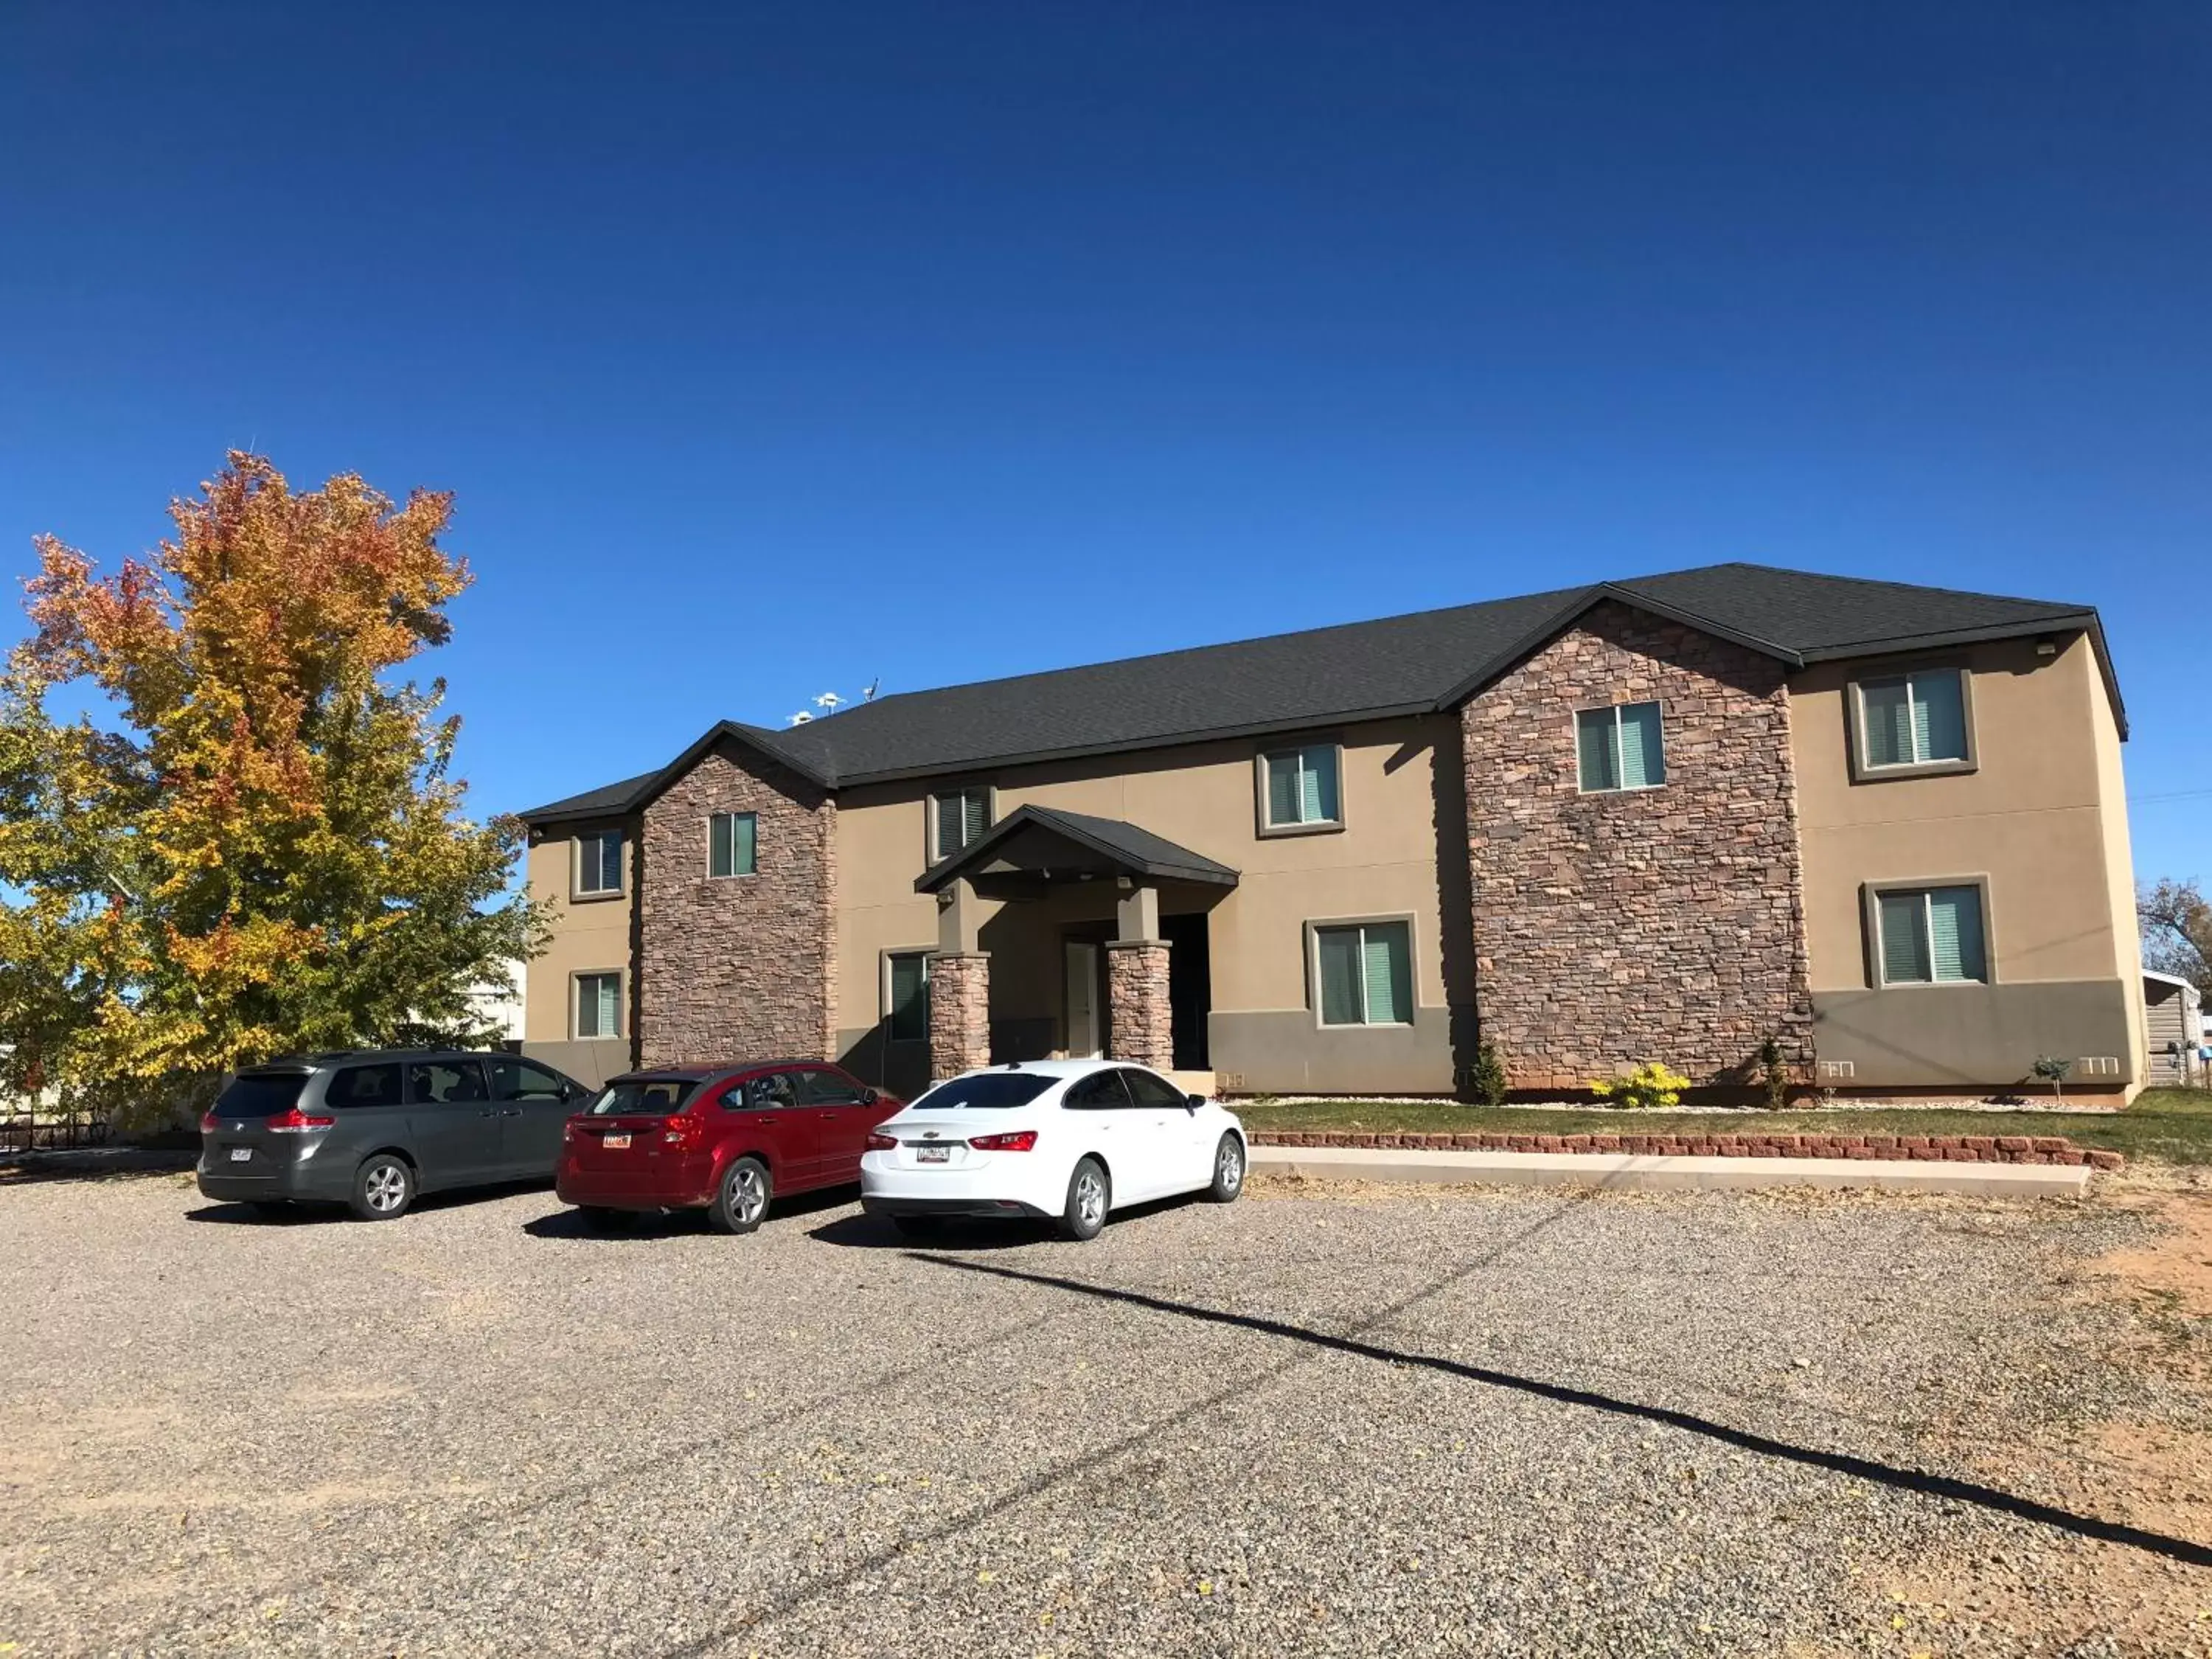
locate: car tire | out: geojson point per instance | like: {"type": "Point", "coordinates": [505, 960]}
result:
{"type": "Point", "coordinates": [382, 1189]}
{"type": "Point", "coordinates": [917, 1226]}
{"type": "Point", "coordinates": [1228, 1171]}
{"type": "Point", "coordinates": [742, 1200]}
{"type": "Point", "coordinates": [1090, 1195]}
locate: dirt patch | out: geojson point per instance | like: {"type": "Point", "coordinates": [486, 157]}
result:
{"type": "Point", "coordinates": [2175, 1266]}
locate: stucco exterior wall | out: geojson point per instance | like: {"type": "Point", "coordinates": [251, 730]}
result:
{"type": "Point", "coordinates": [737, 967]}
{"type": "Point", "coordinates": [589, 935]}
{"type": "Point", "coordinates": [2042, 819]}
{"type": "Point", "coordinates": [1263, 1032]}
{"type": "Point", "coordinates": [1612, 928]}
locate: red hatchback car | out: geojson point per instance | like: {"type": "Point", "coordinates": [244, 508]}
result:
{"type": "Point", "coordinates": [724, 1139]}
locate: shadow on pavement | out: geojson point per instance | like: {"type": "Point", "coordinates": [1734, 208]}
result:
{"type": "Point", "coordinates": [616, 1226]}
{"type": "Point", "coordinates": [875, 1233]}
{"type": "Point", "coordinates": [25, 1168]}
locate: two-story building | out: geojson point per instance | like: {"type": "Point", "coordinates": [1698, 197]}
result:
{"type": "Point", "coordinates": [1670, 819]}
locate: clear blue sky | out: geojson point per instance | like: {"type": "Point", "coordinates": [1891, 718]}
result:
{"type": "Point", "coordinates": [771, 350]}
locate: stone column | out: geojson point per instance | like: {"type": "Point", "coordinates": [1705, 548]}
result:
{"type": "Point", "coordinates": [959, 1013]}
{"type": "Point", "coordinates": [1140, 1028]}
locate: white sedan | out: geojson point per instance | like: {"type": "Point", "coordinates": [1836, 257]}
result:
{"type": "Point", "coordinates": [1071, 1139]}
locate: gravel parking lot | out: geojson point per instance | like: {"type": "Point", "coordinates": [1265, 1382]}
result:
{"type": "Point", "coordinates": [1318, 1421]}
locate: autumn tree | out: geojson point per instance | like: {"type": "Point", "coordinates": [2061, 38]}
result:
{"type": "Point", "coordinates": [248, 840]}
{"type": "Point", "coordinates": [2177, 931]}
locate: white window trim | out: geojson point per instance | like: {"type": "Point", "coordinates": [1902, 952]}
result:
{"type": "Point", "coordinates": [577, 890]}
{"type": "Point", "coordinates": [1865, 771]}
{"type": "Point", "coordinates": [884, 990]}
{"type": "Point", "coordinates": [990, 794]}
{"type": "Point", "coordinates": [576, 1004]}
{"type": "Point", "coordinates": [734, 875]}
{"type": "Point", "coordinates": [1267, 826]}
{"type": "Point", "coordinates": [1870, 906]}
{"type": "Point", "coordinates": [1314, 926]}
{"type": "Point", "coordinates": [1576, 732]}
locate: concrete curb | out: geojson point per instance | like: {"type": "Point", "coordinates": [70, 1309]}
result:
{"type": "Point", "coordinates": [1645, 1172]}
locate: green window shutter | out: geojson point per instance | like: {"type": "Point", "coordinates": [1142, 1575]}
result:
{"type": "Point", "coordinates": [1285, 790]}
{"type": "Point", "coordinates": [1939, 716]}
{"type": "Point", "coordinates": [1905, 938]}
{"type": "Point", "coordinates": [1342, 976]}
{"type": "Point", "coordinates": [1597, 751]}
{"type": "Point", "coordinates": [1887, 706]}
{"type": "Point", "coordinates": [1954, 932]}
{"type": "Point", "coordinates": [1388, 974]}
{"type": "Point", "coordinates": [1643, 765]}
{"type": "Point", "coordinates": [744, 828]}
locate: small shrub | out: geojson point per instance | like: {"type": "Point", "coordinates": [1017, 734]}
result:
{"type": "Point", "coordinates": [2053, 1069]}
{"type": "Point", "coordinates": [1486, 1078]}
{"type": "Point", "coordinates": [1774, 1075]}
{"type": "Point", "coordinates": [1649, 1085]}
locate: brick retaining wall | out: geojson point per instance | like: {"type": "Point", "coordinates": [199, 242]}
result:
{"type": "Point", "coordinates": [1946, 1148]}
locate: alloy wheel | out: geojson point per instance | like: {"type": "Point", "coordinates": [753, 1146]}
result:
{"type": "Point", "coordinates": [1229, 1165]}
{"type": "Point", "coordinates": [386, 1188]}
{"type": "Point", "coordinates": [1090, 1198]}
{"type": "Point", "coordinates": [752, 1198]}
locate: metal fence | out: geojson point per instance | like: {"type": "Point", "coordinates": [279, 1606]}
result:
{"type": "Point", "coordinates": [23, 1131]}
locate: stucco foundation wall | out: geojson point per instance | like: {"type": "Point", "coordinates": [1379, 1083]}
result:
{"type": "Point", "coordinates": [1972, 1036]}
{"type": "Point", "coordinates": [737, 966]}
{"type": "Point", "coordinates": [1662, 924]}
{"type": "Point", "coordinates": [1284, 1052]}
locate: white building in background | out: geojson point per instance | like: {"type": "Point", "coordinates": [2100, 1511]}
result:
{"type": "Point", "coordinates": [502, 1009]}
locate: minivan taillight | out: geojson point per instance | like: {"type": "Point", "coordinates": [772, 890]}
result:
{"type": "Point", "coordinates": [1017, 1140]}
{"type": "Point", "coordinates": [207, 1121]}
{"type": "Point", "coordinates": [297, 1122]}
{"type": "Point", "coordinates": [881, 1144]}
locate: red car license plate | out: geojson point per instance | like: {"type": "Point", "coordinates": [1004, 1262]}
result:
{"type": "Point", "coordinates": [615, 1143]}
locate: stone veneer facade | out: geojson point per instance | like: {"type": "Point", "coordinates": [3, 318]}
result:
{"type": "Point", "coordinates": [1140, 1026]}
{"type": "Point", "coordinates": [1661, 924]}
{"type": "Point", "coordinates": [737, 967]}
{"type": "Point", "coordinates": [959, 1014]}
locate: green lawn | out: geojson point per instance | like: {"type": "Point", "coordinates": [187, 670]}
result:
{"type": "Point", "coordinates": [2173, 1126]}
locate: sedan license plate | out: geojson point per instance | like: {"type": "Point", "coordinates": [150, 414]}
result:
{"type": "Point", "coordinates": [241, 1154]}
{"type": "Point", "coordinates": [933, 1154]}
{"type": "Point", "coordinates": [615, 1143]}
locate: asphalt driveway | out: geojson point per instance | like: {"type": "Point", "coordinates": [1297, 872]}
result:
{"type": "Point", "coordinates": [1316, 1421]}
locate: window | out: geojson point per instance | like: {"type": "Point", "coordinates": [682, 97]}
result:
{"type": "Point", "coordinates": [599, 863]}
{"type": "Point", "coordinates": [828, 1088]}
{"type": "Point", "coordinates": [990, 1091]}
{"type": "Point", "coordinates": [1366, 974]}
{"type": "Point", "coordinates": [1930, 935]}
{"type": "Point", "coordinates": [364, 1086]}
{"type": "Point", "coordinates": [1101, 1091]}
{"type": "Point", "coordinates": [598, 1004]}
{"type": "Point", "coordinates": [767, 1092]}
{"type": "Point", "coordinates": [266, 1094]}
{"type": "Point", "coordinates": [1619, 748]}
{"type": "Point", "coordinates": [1914, 719]}
{"type": "Point", "coordinates": [906, 996]}
{"type": "Point", "coordinates": [650, 1097]}
{"type": "Point", "coordinates": [446, 1082]}
{"type": "Point", "coordinates": [729, 844]}
{"type": "Point", "coordinates": [525, 1079]}
{"type": "Point", "coordinates": [958, 818]}
{"type": "Point", "coordinates": [1298, 788]}
{"type": "Point", "coordinates": [1146, 1089]}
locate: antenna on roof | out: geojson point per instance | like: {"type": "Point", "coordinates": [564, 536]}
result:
{"type": "Point", "coordinates": [801, 718]}
{"type": "Point", "coordinates": [828, 702]}
{"type": "Point", "coordinates": [874, 685]}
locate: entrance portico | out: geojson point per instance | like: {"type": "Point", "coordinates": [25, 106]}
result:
{"type": "Point", "coordinates": [1042, 869]}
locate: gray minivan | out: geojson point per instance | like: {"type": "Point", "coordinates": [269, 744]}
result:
{"type": "Point", "coordinates": [373, 1128]}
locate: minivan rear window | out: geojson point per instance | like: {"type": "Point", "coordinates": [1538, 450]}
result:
{"type": "Point", "coordinates": [989, 1089]}
{"type": "Point", "coordinates": [260, 1094]}
{"type": "Point", "coordinates": [652, 1096]}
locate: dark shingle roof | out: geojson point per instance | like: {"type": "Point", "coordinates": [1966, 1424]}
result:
{"type": "Point", "coordinates": [1132, 849]}
{"type": "Point", "coordinates": [608, 800]}
{"type": "Point", "coordinates": [1355, 671]}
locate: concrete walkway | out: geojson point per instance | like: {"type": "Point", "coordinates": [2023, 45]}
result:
{"type": "Point", "coordinates": [1645, 1171]}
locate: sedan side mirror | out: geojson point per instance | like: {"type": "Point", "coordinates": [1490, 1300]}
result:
{"type": "Point", "coordinates": [869, 1096]}
{"type": "Point", "coordinates": [1195, 1102]}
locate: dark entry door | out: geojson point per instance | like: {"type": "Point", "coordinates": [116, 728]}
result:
{"type": "Point", "coordinates": [1190, 989]}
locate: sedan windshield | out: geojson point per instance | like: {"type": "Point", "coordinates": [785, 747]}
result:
{"type": "Point", "coordinates": [998, 1088]}
{"type": "Point", "coordinates": [650, 1097]}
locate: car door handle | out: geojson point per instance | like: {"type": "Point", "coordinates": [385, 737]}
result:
{"type": "Point", "coordinates": [511, 1111]}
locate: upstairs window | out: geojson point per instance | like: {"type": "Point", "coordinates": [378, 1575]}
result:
{"type": "Point", "coordinates": [1619, 748]}
{"type": "Point", "coordinates": [1931, 936]}
{"type": "Point", "coordinates": [1300, 788]}
{"type": "Point", "coordinates": [958, 818]}
{"type": "Point", "coordinates": [599, 863]}
{"type": "Point", "coordinates": [1916, 719]}
{"type": "Point", "coordinates": [729, 843]}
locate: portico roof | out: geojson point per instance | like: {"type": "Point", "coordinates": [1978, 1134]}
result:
{"type": "Point", "coordinates": [1044, 840]}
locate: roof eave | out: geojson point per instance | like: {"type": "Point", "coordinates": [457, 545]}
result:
{"type": "Point", "coordinates": [2087, 621]}
{"type": "Point", "coordinates": [948, 869]}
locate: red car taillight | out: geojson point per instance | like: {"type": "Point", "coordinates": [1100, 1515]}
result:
{"type": "Point", "coordinates": [297, 1122]}
{"type": "Point", "coordinates": [1019, 1140]}
{"type": "Point", "coordinates": [568, 1132]}
{"type": "Point", "coordinates": [881, 1144]}
{"type": "Point", "coordinates": [684, 1131]}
